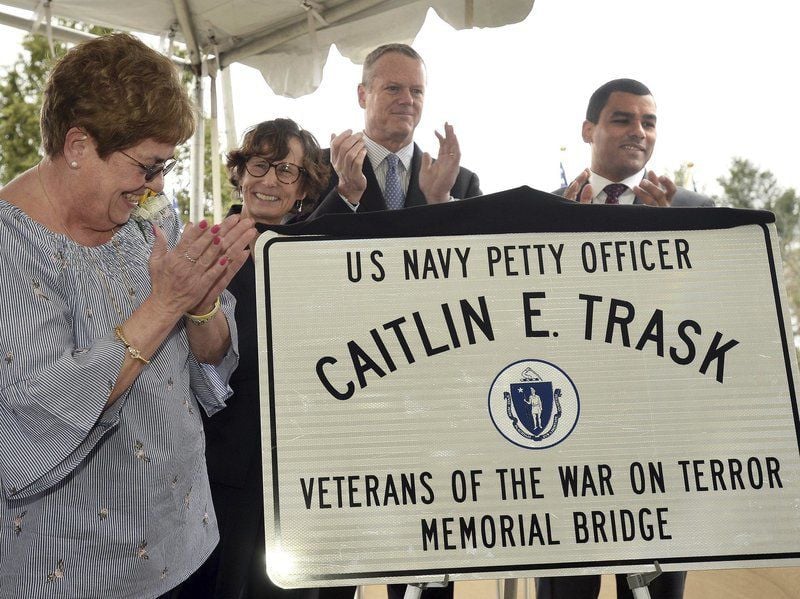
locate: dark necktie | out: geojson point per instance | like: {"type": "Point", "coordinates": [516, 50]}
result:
{"type": "Point", "coordinates": [393, 191]}
{"type": "Point", "coordinates": [613, 191]}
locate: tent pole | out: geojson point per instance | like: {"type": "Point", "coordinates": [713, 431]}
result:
{"type": "Point", "coordinates": [227, 109]}
{"type": "Point", "coordinates": [197, 151]}
{"type": "Point", "coordinates": [62, 34]}
{"type": "Point", "coordinates": [187, 28]}
{"type": "Point", "coordinates": [216, 183]}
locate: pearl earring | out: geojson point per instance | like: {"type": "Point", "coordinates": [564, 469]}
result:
{"type": "Point", "coordinates": [73, 164]}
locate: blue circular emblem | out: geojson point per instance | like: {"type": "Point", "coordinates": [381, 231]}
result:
{"type": "Point", "coordinates": [534, 404]}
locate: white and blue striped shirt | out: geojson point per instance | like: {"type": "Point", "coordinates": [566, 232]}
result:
{"type": "Point", "coordinates": [96, 503]}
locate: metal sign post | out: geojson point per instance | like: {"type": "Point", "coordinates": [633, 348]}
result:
{"type": "Point", "coordinates": [638, 583]}
{"type": "Point", "coordinates": [414, 591]}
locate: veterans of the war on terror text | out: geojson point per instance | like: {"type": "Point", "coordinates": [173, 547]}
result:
{"type": "Point", "coordinates": [514, 485]}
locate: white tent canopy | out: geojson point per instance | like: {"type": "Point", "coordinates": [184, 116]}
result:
{"type": "Point", "coordinates": [286, 40]}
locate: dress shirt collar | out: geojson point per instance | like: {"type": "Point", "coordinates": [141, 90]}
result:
{"type": "Point", "coordinates": [598, 183]}
{"type": "Point", "coordinates": [377, 154]}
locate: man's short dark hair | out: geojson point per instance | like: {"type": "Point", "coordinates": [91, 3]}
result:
{"type": "Point", "coordinates": [372, 58]}
{"type": "Point", "coordinates": [600, 97]}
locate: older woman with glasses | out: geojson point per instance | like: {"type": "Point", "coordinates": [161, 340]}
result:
{"type": "Point", "coordinates": [276, 167]}
{"type": "Point", "coordinates": [115, 332]}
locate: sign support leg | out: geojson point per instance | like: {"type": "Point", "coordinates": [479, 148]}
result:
{"type": "Point", "coordinates": [414, 590]}
{"type": "Point", "coordinates": [638, 583]}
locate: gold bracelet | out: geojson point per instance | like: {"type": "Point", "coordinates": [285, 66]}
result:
{"type": "Point", "coordinates": [132, 351]}
{"type": "Point", "coordinates": [200, 319]}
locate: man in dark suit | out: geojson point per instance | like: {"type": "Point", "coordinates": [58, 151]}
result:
{"type": "Point", "coordinates": [382, 168]}
{"type": "Point", "coordinates": [620, 126]}
{"type": "Point", "coordinates": [392, 94]}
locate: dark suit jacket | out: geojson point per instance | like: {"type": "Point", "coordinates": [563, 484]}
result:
{"type": "Point", "coordinates": [233, 435]}
{"type": "Point", "coordinates": [683, 198]}
{"type": "Point", "coordinates": [233, 457]}
{"type": "Point", "coordinates": [466, 186]}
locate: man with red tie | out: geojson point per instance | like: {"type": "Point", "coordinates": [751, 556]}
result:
{"type": "Point", "coordinates": [620, 126]}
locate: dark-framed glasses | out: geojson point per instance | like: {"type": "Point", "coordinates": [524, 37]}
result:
{"type": "Point", "coordinates": [154, 170]}
{"type": "Point", "coordinates": [286, 172]}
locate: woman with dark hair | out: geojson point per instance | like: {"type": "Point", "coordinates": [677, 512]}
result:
{"type": "Point", "coordinates": [275, 168]}
{"type": "Point", "coordinates": [115, 330]}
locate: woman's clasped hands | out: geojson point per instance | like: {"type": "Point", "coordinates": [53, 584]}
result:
{"type": "Point", "coordinates": [190, 277]}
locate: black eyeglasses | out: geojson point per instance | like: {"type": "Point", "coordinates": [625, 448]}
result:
{"type": "Point", "coordinates": [154, 170]}
{"type": "Point", "coordinates": [286, 172]}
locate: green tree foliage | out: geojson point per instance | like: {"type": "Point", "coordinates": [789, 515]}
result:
{"type": "Point", "coordinates": [681, 176]}
{"type": "Point", "coordinates": [21, 86]}
{"type": "Point", "coordinates": [227, 188]}
{"type": "Point", "coordinates": [747, 186]}
{"type": "Point", "coordinates": [184, 159]}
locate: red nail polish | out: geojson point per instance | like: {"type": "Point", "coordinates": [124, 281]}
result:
{"type": "Point", "coordinates": [223, 261]}
{"type": "Point", "coordinates": [215, 229]}
{"type": "Point", "coordinates": [216, 241]}
{"type": "Point", "coordinates": [203, 225]}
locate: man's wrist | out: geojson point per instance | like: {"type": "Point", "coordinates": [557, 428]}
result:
{"type": "Point", "coordinates": [350, 195]}
{"type": "Point", "coordinates": [350, 204]}
{"type": "Point", "coordinates": [439, 199]}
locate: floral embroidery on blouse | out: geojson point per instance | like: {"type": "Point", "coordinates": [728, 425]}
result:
{"type": "Point", "coordinates": [18, 522]}
{"type": "Point", "coordinates": [188, 406]}
{"type": "Point", "coordinates": [37, 290]}
{"type": "Point", "coordinates": [58, 573]}
{"type": "Point", "coordinates": [141, 551]}
{"type": "Point", "coordinates": [138, 451]}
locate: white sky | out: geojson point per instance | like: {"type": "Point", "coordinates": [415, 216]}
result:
{"type": "Point", "coordinates": [724, 75]}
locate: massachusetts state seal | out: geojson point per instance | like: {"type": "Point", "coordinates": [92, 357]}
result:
{"type": "Point", "coordinates": [534, 404]}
